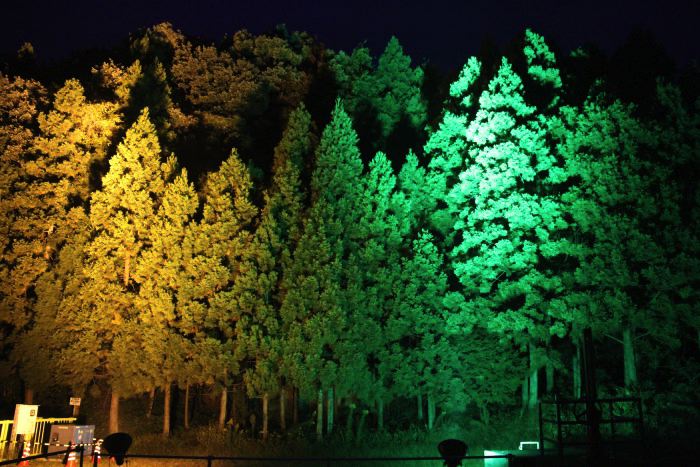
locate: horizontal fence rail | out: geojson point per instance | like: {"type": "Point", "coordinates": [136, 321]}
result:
{"type": "Point", "coordinates": [317, 460]}
{"type": "Point", "coordinates": [44, 456]}
{"type": "Point", "coordinates": [210, 459]}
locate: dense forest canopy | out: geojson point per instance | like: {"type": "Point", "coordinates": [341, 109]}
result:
{"type": "Point", "coordinates": [267, 216]}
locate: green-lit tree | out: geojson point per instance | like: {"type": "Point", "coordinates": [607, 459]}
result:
{"type": "Point", "coordinates": [622, 285]}
{"type": "Point", "coordinates": [259, 291]}
{"type": "Point", "coordinates": [446, 147]}
{"type": "Point", "coordinates": [508, 224]}
{"type": "Point", "coordinates": [371, 272]}
{"type": "Point", "coordinates": [313, 286]}
{"type": "Point", "coordinates": [415, 329]}
{"type": "Point", "coordinates": [385, 100]}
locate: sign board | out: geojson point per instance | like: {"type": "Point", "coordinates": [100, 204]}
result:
{"type": "Point", "coordinates": [75, 401]}
{"type": "Point", "coordinates": [25, 419]}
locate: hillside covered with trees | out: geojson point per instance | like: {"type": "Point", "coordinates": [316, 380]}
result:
{"type": "Point", "coordinates": [305, 234]}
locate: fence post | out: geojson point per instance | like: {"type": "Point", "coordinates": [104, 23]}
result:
{"type": "Point", "coordinates": [82, 452]}
{"type": "Point", "coordinates": [209, 459]}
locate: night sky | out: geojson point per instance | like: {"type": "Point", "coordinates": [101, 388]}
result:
{"type": "Point", "coordinates": [445, 32]}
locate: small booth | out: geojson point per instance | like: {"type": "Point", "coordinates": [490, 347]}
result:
{"type": "Point", "coordinates": [62, 435]}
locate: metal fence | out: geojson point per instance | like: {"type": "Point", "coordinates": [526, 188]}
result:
{"type": "Point", "coordinates": [320, 461]}
{"type": "Point", "coordinates": [9, 447]}
{"type": "Point", "coordinates": [78, 452]}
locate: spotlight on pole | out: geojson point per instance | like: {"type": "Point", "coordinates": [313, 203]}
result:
{"type": "Point", "coordinates": [116, 446]}
{"type": "Point", "coordinates": [452, 451]}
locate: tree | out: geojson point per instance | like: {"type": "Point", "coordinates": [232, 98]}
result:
{"type": "Point", "coordinates": [385, 100]}
{"type": "Point", "coordinates": [415, 329]}
{"type": "Point", "coordinates": [622, 283]}
{"type": "Point", "coordinates": [259, 291]}
{"type": "Point", "coordinates": [313, 310]}
{"type": "Point", "coordinates": [220, 242]}
{"type": "Point", "coordinates": [103, 320]}
{"type": "Point", "coordinates": [73, 139]}
{"type": "Point", "coordinates": [508, 222]}
{"type": "Point", "coordinates": [22, 248]}
{"type": "Point", "coordinates": [371, 272]}
{"type": "Point", "coordinates": [164, 292]}
{"type": "Point", "coordinates": [446, 147]}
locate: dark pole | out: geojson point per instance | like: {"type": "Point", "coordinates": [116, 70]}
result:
{"type": "Point", "coordinates": [592, 414]}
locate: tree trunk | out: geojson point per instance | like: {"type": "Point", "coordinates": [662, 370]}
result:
{"type": "Point", "coordinates": [222, 408]}
{"type": "Point", "coordinates": [524, 395]}
{"type": "Point", "coordinates": [576, 363]}
{"type": "Point", "coordinates": [630, 364]}
{"type": "Point", "coordinates": [484, 413]}
{"type": "Point", "coordinates": [295, 406]}
{"type": "Point", "coordinates": [28, 395]}
{"type": "Point", "coordinates": [431, 411]}
{"type": "Point", "coordinates": [419, 402]}
{"type": "Point", "coordinates": [533, 391]}
{"type": "Point", "coordinates": [283, 410]}
{"type": "Point", "coordinates": [380, 415]}
{"type": "Point", "coordinates": [187, 407]}
{"type": "Point", "coordinates": [331, 411]}
{"type": "Point", "coordinates": [549, 369]}
{"type": "Point", "coordinates": [361, 425]}
{"type": "Point", "coordinates": [319, 416]}
{"type": "Point", "coordinates": [265, 410]}
{"type": "Point", "coordinates": [114, 412]}
{"type": "Point", "coordinates": [151, 400]}
{"type": "Point", "coordinates": [166, 410]}
{"type": "Point", "coordinates": [349, 420]}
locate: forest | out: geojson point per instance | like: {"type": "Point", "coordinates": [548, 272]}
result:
{"type": "Point", "coordinates": [264, 227]}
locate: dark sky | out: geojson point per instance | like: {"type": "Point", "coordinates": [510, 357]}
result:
{"type": "Point", "coordinates": [446, 32]}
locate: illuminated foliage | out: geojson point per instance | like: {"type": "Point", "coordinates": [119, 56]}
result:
{"type": "Point", "coordinates": [447, 276]}
{"type": "Point", "coordinates": [385, 101]}
{"type": "Point", "coordinates": [447, 145]}
{"type": "Point", "coordinates": [313, 310]}
{"type": "Point", "coordinates": [260, 290]}
{"type": "Point", "coordinates": [221, 241]}
{"type": "Point", "coordinates": [22, 246]}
